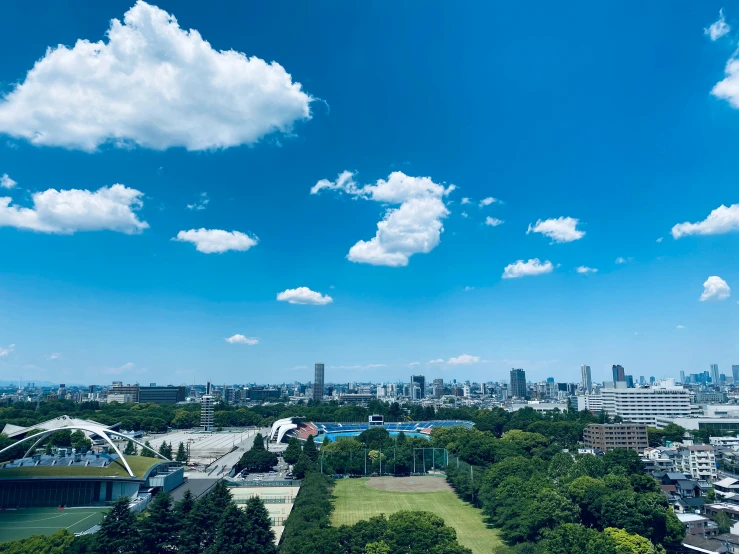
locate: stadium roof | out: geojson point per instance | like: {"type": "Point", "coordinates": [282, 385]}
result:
{"type": "Point", "coordinates": [139, 465]}
{"type": "Point", "coordinates": [17, 432]}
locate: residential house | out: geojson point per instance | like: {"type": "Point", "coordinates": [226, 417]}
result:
{"type": "Point", "coordinates": [699, 461]}
{"type": "Point", "coordinates": [698, 525]}
{"type": "Point", "coordinates": [727, 487]}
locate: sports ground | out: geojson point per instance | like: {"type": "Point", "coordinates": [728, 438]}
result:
{"type": "Point", "coordinates": [357, 499]}
{"type": "Point", "coordinates": [19, 524]}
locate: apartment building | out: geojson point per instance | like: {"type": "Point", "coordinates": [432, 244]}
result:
{"type": "Point", "coordinates": [698, 460]}
{"type": "Point", "coordinates": [590, 402]}
{"type": "Point", "coordinates": [616, 435]}
{"type": "Point", "coordinates": [646, 404]}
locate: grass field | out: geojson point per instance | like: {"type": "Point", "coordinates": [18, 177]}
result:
{"type": "Point", "coordinates": [19, 524]}
{"type": "Point", "coordinates": [355, 500]}
{"type": "Point", "coordinates": [139, 465]}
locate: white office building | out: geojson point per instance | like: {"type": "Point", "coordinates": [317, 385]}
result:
{"type": "Point", "coordinates": [644, 405]}
{"type": "Point", "coordinates": [590, 402]}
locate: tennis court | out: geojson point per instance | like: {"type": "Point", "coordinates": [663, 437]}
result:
{"type": "Point", "coordinates": [19, 524]}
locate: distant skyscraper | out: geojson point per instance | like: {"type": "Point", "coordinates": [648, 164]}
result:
{"type": "Point", "coordinates": [618, 373]}
{"type": "Point", "coordinates": [420, 382]}
{"type": "Point", "coordinates": [629, 382]}
{"type": "Point", "coordinates": [682, 377]}
{"type": "Point", "coordinates": [318, 383]}
{"type": "Point", "coordinates": [585, 378]}
{"type": "Point", "coordinates": [714, 373]}
{"type": "Point", "coordinates": [651, 380]}
{"type": "Point", "coordinates": [642, 380]}
{"type": "Point", "coordinates": [550, 379]}
{"type": "Point", "coordinates": [735, 374]}
{"type": "Point", "coordinates": [518, 382]}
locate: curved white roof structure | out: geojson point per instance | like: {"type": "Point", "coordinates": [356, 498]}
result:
{"type": "Point", "coordinates": [274, 431]}
{"type": "Point", "coordinates": [96, 429]}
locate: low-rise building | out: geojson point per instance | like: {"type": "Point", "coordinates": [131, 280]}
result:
{"type": "Point", "coordinates": [607, 436]}
{"type": "Point", "coordinates": [699, 461]}
{"type": "Point", "coordinates": [698, 525]}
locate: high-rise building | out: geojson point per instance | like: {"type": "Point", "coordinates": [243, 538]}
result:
{"type": "Point", "coordinates": [585, 377]}
{"type": "Point", "coordinates": [714, 373]}
{"type": "Point", "coordinates": [682, 377]}
{"type": "Point", "coordinates": [318, 383]}
{"type": "Point", "coordinates": [206, 412]}
{"type": "Point", "coordinates": [735, 374]}
{"type": "Point", "coordinates": [618, 373]}
{"type": "Point", "coordinates": [629, 382]}
{"type": "Point", "coordinates": [420, 382]}
{"type": "Point", "coordinates": [518, 383]}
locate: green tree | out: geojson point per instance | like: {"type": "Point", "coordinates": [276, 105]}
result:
{"type": "Point", "coordinates": [302, 466]}
{"type": "Point", "coordinates": [130, 449]}
{"type": "Point", "coordinates": [628, 543]}
{"type": "Point", "coordinates": [260, 526]}
{"type": "Point", "coordinates": [58, 543]}
{"type": "Point", "coordinates": [310, 450]}
{"type": "Point", "coordinates": [234, 534]}
{"type": "Point", "coordinates": [146, 453]}
{"type": "Point", "coordinates": [292, 452]}
{"type": "Point", "coordinates": [185, 506]}
{"type": "Point", "coordinates": [723, 521]}
{"type": "Point", "coordinates": [118, 532]}
{"type": "Point", "coordinates": [181, 454]}
{"type": "Point", "coordinates": [380, 547]}
{"type": "Point", "coordinates": [79, 441]}
{"type": "Point", "coordinates": [159, 525]}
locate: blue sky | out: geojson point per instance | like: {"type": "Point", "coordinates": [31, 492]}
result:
{"type": "Point", "coordinates": [594, 113]}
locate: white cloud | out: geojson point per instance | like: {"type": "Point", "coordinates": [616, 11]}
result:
{"type": "Point", "coordinates": [561, 229]}
{"type": "Point", "coordinates": [201, 202]}
{"type": "Point", "coordinates": [125, 368]}
{"type": "Point", "coordinates": [4, 351]}
{"type": "Point", "coordinates": [217, 241]}
{"type": "Point", "coordinates": [303, 295]}
{"type": "Point", "coordinates": [465, 215]}
{"type": "Point", "coordinates": [586, 269]}
{"type": "Point", "coordinates": [715, 288]}
{"type": "Point", "coordinates": [6, 182]}
{"type": "Point", "coordinates": [522, 269]}
{"type": "Point", "coordinates": [414, 227]}
{"type": "Point", "coordinates": [468, 289]}
{"type": "Point", "coordinates": [719, 221]}
{"type": "Point", "coordinates": [719, 28]}
{"type": "Point", "coordinates": [680, 327]}
{"type": "Point", "coordinates": [241, 339]}
{"type": "Point", "coordinates": [54, 356]}
{"type": "Point", "coordinates": [68, 211]}
{"type": "Point", "coordinates": [487, 201]}
{"type": "Point", "coordinates": [414, 364]}
{"type": "Point", "coordinates": [493, 221]}
{"type": "Point", "coordinates": [659, 239]}
{"type": "Point", "coordinates": [621, 260]}
{"type": "Point", "coordinates": [465, 200]}
{"type": "Point", "coordinates": [463, 359]}
{"type": "Point", "coordinates": [436, 361]}
{"type": "Point", "coordinates": [152, 84]}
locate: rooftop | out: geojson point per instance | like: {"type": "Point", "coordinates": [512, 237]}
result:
{"type": "Point", "coordinates": [139, 465]}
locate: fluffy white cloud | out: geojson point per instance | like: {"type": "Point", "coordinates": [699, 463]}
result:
{"type": "Point", "coordinates": [586, 269]}
{"type": "Point", "coordinates": [201, 203]}
{"type": "Point", "coordinates": [6, 182]}
{"type": "Point", "coordinates": [659, 239]}
{"type": "Point", "coordinates": [561, 229]}
{"type": "Point", "coordinates": [414, 364]}
{"type": "Point", "coordinates": [719, 221]}
{"type": "Point", "coordinates": [465, 200]}
{"type": "Point", "coordinates": [463, 359]}
{"type": "Point", "coordinates": [728, 88]}
{"type": "Point", "coordinates": [718, 28]}
{"type": "Point", "coordinates": [468, 289]}
{"type": "Point", "coordinates": [493, 221]}
{"type": "Point", "coordinates": [303, 295]}
{"type": "Point", "coordinates": [464, 215]}
{"type": "Point", "coordinates": [680, 327]}
{"type": "Point", "coordinates": [152, 84]}
{"type": "Point", "coordinates": [522, 269]}
{"type": "Point", "coordinates": [5, 350]}
{"type": "Point", "coordinates": [217, 241]}
{"type": "Point", "coordinates": [715, 288]}
{"type": "Point", "coordinates": [241, 339]}
{"type": "Point", "coordinates": [487, 201]}
{"type": "Point", "coordinates": [67, 211]}
{"type": "Point", "coordinates": [414, 227]}
{"type": "Point", "coordinates": [621, 260]}
{"type": "Point", "coordinates": [54, 356]}
{"type": "Point", "coordinates": [436, 361]}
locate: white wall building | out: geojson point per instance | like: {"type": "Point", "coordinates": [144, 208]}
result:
{"type": "Point", "coordinates": [590, 402]}
{"type": "Point", "coordinates": [644, 405]}
{"type": "Point", "coordinates": [698, 460]}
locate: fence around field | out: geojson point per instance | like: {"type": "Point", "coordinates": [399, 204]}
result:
{"type": "Point", "coordinates": [390, 462]}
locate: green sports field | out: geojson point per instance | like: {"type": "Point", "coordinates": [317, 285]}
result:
{"type": "Point", "coordinates": [356, 499]}
{"type": "Point", "coordinates": [19, 524]}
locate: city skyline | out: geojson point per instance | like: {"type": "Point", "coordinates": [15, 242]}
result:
{"type": "Point", "coordinates": [408, 210]}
